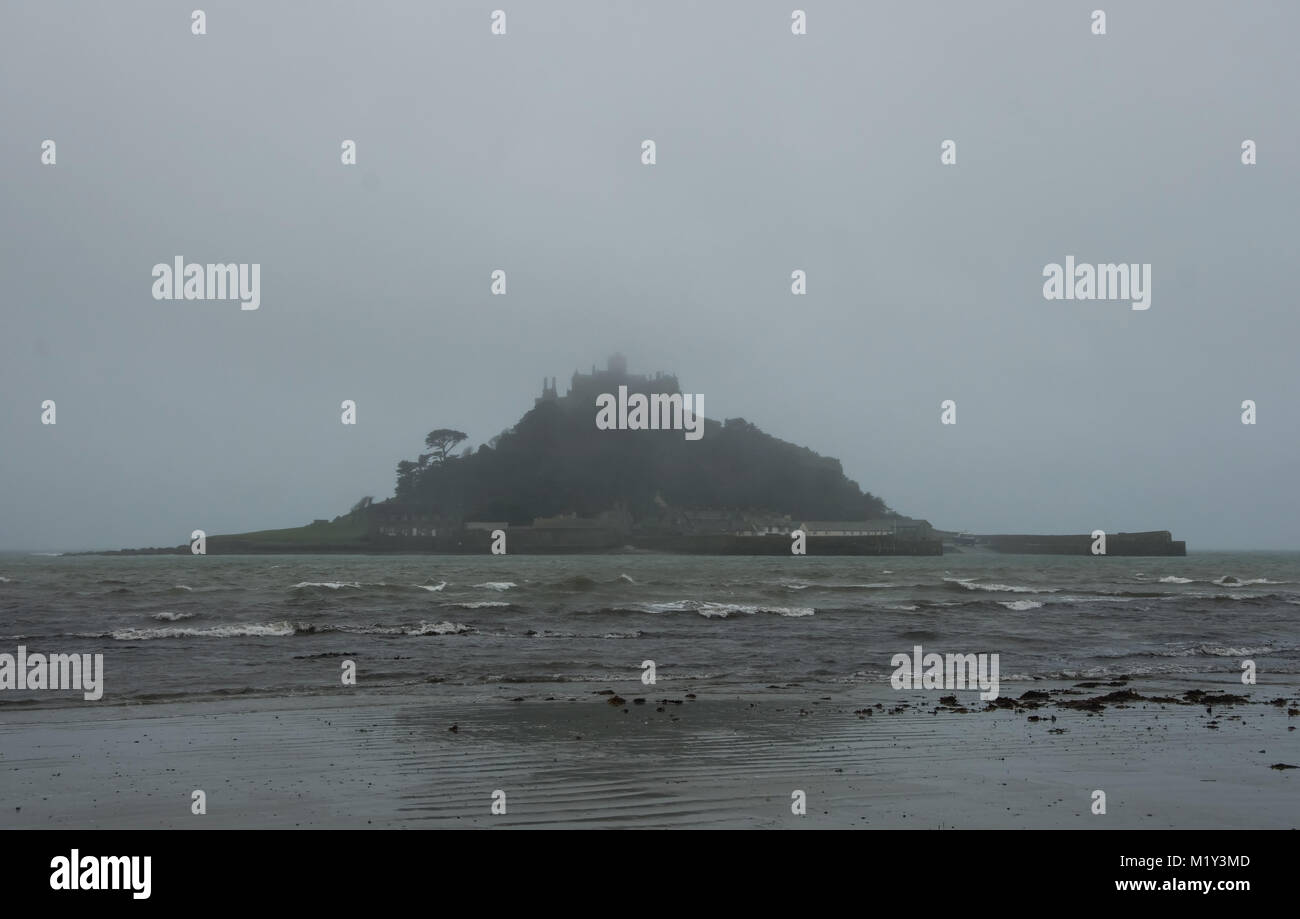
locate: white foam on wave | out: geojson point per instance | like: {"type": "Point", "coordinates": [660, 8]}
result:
{"type": "Point", "coordinates": [481, 604]}
{"type": "Point", "coordinates": [550, 633]}
{"type": "Point", "coordinates": [267, 630]}
{"type": "Point", "coordinates": [1209, 650]}
{"type": "Point", "coordinates": [1020, 605]}
{"type": "Point", "coordinates": [1174, 579]}
{"type": "Point", "coordinates": [439, 628]}
{"type": "Point", "coordinates": [1229, 581]}
{"type": "Point", "coordinates": [670, 606]}
{"type": "Point", "coordinates": [172, 617]}
{"type": "Point", "coordinates": [331, 585]}
{"type": "Point", "coordinates": [283, 630]}
{"type": "Point", "coordinates": [711, 610]}
{"type": "Point", "coordinates": [969, 584]}
{"type": "Point", "coordinates": [624, 577]}
{"type": "Point", "coordinates": [497, 585]}
{"type": "Point", "coordinates": [424, 628]}
{"type": "Point", "coordinates": [431, 587]}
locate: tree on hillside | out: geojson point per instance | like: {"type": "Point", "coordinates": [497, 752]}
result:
{"type": "Point", "coordinates": [443, 441]}
{"type": "Point", "coordinates": [406, 474]}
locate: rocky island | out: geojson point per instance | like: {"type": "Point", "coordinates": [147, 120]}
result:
{"type": "Point", "coordinates": [559, 482]}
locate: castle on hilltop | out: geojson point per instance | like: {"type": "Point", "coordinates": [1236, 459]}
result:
{"type": "Point", "coordinates": [586, 386]}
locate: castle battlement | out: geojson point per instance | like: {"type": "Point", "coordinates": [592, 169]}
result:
{"type": "Point", "coordinates": [586, 386]}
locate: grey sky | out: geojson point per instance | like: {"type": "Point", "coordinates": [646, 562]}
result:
{"type": "Point", "coordinates": [775, 152]}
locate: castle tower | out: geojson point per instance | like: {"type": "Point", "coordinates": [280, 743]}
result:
{"type": "Point", "coordinates": [548, 392]}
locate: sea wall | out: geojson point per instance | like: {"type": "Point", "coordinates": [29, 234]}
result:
{"type": "Point", "coordinates": [1154, 542]}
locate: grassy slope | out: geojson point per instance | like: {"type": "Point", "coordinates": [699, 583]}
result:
{"type": "Point", "coordinates": [349, 529]}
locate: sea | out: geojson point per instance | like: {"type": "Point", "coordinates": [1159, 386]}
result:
{"type": "Point", "coordinates": [187, 628]}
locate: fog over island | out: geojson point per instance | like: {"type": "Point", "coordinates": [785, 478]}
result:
{"type": "Point", "coordinates": [924, 282]}
{"type": "Point", "coordinates": [673, 415]}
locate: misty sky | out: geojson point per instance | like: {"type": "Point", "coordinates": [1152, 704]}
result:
{"type": "Point", "coordinates": [775, 152]}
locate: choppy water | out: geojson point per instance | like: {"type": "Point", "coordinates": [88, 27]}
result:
{"type": "Point", "coordinates": [177, 627]}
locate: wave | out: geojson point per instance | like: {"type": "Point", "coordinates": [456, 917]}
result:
{"type": "Point", "coordinates": [1163, 670]}
{"type": "Point", "coordinates": [875, 585]}
{"type": "Point", "coordinates": [481, 604]}
{"type": "Point", "coordinates": [424, 628]}
{"type": "Point", "coordinates": [271, 629]}
{"type": "Point", "coordinates": [1208, 650]}
{"type": "Point", "coordinates": [499, 585]}
{"type": "Point", "coordinates": [1237, 598]}
{"type": "Point", "coordinates": [172, 617]}
{"type": "Point", "coordinates": [711, 610]}
{"type": "Point", "coordinates": [283, 629]}
{"type": "Point", "coordinates": [1020, 605]}
{"type": "Point", "coordinates": [554, 633]}
{"type": "Point", "coordinates": [1226, 580]}
{"type": "Point", "coordinates": [576, 582]}
{"type": "Point", "coordinates": [1202, 649]}
{"type": "Point", "coordinates": [356, 585]}
{"type": "Point", "coordinates": [869, 585]}
{"type": "Point", "coordinates": [439, 628]}
{"type": "Point", "coordinates": [969, 584]}
{"type": "Point", "coordinates": [1229, 581]}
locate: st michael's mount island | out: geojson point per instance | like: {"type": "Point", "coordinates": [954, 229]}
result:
{"type": "Point", "coordinates": [558, 482]}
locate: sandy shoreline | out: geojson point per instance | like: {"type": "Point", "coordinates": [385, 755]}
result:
{"type": "Point", "coordinates": [721, 759]}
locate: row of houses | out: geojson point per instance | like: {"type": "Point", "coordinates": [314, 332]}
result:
{"type": "Point", "coordinates": [900, 528]}
{"type": "Point", "coordinates": [903, 529]}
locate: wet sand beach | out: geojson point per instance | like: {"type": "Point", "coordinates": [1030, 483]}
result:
{"type": "Point", "coordinates": [434, 759]}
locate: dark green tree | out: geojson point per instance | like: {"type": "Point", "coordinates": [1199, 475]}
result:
{"type": "Point", "coordinates": [443, 441]}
